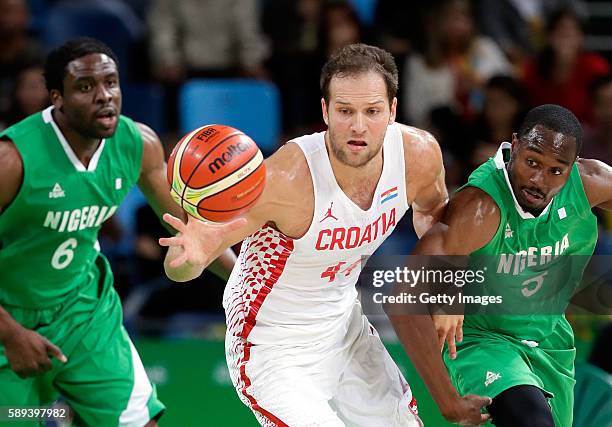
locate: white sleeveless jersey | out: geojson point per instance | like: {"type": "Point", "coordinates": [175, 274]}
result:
{"type": "Point", "coordinates": [299, 291]}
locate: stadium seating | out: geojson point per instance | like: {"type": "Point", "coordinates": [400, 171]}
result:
{"type": "Point", "coordinates": [253, 106]}
{"type": "Point", "coordinates": [365, 10]}
{"type": "Point", "coordinates": [110, 21]}
{"type": "Point", "coordinates": [145, 103]}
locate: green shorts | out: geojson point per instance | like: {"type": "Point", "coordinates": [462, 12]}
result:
{"type": "Point", "coordinates": [103, 380]}
{"type": "Point", "coordinates": [488, 363]}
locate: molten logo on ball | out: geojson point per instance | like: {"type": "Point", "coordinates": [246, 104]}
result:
{"type": "Point", "coordinates": [216, 173]}
{"type": "Point", "coordinates": [227, 157]}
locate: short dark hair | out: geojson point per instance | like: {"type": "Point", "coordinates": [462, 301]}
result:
{"type": "Point", "coordinates": [58, 59]}
{"type": "Point", "coordinates": [360, 58]}
{"type": "Point", "coordinates": [556, 118]}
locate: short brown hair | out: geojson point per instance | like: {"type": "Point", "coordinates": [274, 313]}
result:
{"type": "Point", "coordinates": [356, 59]}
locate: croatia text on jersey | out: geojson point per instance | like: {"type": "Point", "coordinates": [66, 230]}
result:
{"type": "Point", "coordinates": [330, 239]}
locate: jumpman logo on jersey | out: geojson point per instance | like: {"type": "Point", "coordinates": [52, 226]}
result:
{"type": "Point", "coordinates": [329, 213]}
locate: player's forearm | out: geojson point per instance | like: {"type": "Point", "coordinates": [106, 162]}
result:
{"type": "Point", "coordinates": [184, 272]}
{"type": "Point", "coordinates": [419, 339]}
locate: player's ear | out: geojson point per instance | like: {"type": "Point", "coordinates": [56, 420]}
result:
{"type": "Point", "coordinates": [393, 111]}
{"type": "Point", "coordinates": [56, 98]}
{"type": "Point", "coordinates": [514, 140]}
{"type": "Point", "coordinates": [325, 112]}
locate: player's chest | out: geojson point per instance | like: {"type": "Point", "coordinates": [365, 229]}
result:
{"type": "Point", "coordinates": [64, 199]}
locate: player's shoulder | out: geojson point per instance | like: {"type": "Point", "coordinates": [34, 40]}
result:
{"type": "Point", "coordinates": [9, 155]}
{"type": "Point", "coordinates": [11, 171]}
{"type": "Point", "coordinates": [473, 218]}
{"type": "Point", "coordinates": [148, 135]}
{"type": "Point", "coordinates": [473, 203]}
{"type": "Point", "coordinates": [289, 161]}
{"type": "Point", "coordinates": [592, 168]}
{"type": "Point", "coordinates": [26, 128]}
{"type": "Point", "coordinates": [596, 178]}
{"type": "Point", "coordinates": [418, 140]}
{"type": "Point", "coordinates": [421, 151]}
{"type": "Point", "coordinates": [287, 171]}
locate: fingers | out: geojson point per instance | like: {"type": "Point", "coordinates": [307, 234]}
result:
{"type": "Point", "coordinates": [484, 418]}
{"type": "Point", "coordinates": [459, 331]}
{"type": "Point", "coordinates": [174, 222]}
{"type": "Point", "coordinates": [171, 241]}
{"type": "Point", "coordinates": [54, 351]}
{"type": "Point", "coordinates": [441, 339]}
{"type": "Point", "coordinates": [452, 348]}
{"type": "Point", "coordinates": [485, 401]}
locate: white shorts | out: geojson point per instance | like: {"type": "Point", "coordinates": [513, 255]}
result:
{"type": "Point", "coordinates": [353, 383]}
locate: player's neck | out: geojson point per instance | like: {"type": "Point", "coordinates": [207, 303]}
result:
{"type": "Point", "coordinates": [83, 147]}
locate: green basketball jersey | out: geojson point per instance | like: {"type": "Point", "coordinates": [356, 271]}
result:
{"type": "Point", "coordinates": [48, 234]}
{"type": "Point", "coordinates": [534, 263]}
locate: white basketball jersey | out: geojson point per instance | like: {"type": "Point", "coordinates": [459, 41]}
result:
{"type": "Point", "coordinates": [301, 291]}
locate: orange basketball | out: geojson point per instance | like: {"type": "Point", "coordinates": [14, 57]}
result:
{"type": "Point", "coordinates": [216, 172]}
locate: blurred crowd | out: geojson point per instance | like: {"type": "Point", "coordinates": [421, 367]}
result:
{"type": "Point", "coordinates": [469, 70]}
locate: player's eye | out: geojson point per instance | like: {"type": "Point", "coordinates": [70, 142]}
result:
{"type": "Point", "coordinates": [111, 83]}
{"type": "Point", "coordinates": [344, 111]}
{"type": "Point", "coordinates": [372, 111]}
{"type": "Point", "coordinates": [531, 163]}
{"type": "Point", "coordinates": [556, 171]}
{"type": "Point", "coordinates": [85, 87]}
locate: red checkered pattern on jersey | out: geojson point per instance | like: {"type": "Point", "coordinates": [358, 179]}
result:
{"type": "Point", "coordinates": [264, 258]}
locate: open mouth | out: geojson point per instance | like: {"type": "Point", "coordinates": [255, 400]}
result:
{"type": "Point", "coordinates": [532, 195]}
{"type": "Point", "coordinates": [107, 116]}
{"type": "Point", "coordinates": [357, 145]}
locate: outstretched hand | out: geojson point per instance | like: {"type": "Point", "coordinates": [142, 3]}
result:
{"type": "Point", "coordinates": [198, 240]}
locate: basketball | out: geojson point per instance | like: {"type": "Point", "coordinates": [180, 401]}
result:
{"type": "Point", "coordinates": [216, 173]}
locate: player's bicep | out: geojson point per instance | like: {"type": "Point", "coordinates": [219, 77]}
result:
{"type": "Point", "coordinates": [11, 172]}
{"type": "Point", "coordinates": [470, 222]}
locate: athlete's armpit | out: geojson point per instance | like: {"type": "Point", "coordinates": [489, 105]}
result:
{"type": "Point", "coordinates": [11, 172]}
{"type": "Point", "coordinates": [597, 181]}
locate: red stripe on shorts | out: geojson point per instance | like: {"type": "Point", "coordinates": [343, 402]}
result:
{"type": "Point", "coordinates": [247, 384]}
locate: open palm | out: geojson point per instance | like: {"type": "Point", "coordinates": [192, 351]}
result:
{"type": "Point", "coordinates": [198, 241]}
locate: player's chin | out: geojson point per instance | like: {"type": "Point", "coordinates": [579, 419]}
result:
{"type": "Point", "coordinates": [105, 131]}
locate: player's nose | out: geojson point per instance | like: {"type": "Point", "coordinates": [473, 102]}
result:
{"type": "Point", "coordinates": [537, 179]}
{"type": "Point", "coordinates": [103, 94]}
{"type": "Point", "coordinates": [358, 124]}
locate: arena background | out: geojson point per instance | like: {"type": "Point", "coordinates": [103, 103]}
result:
{"type": "Point", "coordinates": [468, 72]}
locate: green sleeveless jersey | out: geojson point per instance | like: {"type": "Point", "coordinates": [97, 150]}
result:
{"type": "Point", "coordinates": [534, 263]}
{"type": "Point", "coordinates": [48, 234]}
